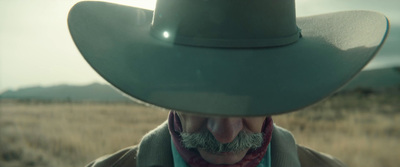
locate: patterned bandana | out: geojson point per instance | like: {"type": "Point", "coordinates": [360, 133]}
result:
{"type": "Point", "coordinates": [193, 158]}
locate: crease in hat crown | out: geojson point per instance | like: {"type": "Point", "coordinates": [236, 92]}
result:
{"type": "Point", "coordinates": [226, 23]}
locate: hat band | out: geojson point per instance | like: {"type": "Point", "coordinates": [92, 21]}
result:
{"type": "Point", "coordinates": [225, 43]}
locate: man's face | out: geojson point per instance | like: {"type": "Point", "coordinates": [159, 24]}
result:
{"type": "Point", "coordinates": [233, 136]}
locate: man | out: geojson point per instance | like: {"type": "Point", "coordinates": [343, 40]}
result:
{"type": "Point", "coordinates": [223, 68]}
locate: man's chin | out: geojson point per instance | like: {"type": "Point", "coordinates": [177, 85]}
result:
{"type": "Point", "coordinates": [222, 158]}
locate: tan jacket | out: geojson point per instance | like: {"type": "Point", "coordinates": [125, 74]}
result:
{"type": "Point", "coordinates": [155, 151]}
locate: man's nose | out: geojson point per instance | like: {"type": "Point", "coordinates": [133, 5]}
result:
{"type": "Point", "coordinates": [225, 130]}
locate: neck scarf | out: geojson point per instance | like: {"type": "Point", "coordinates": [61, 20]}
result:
{"type": "Point", "coordinates": [251, 159]}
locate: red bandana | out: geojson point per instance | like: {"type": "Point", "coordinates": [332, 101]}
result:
{"type": "Point", "coordinates": [251, 159]}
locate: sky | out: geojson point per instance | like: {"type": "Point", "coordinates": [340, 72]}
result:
{"type": "Point", "coordinates": [37, 50]}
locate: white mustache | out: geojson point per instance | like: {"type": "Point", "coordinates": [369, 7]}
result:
{"type": "Point", "coordinates": [206, 141]}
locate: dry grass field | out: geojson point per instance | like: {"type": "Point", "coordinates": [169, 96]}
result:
{"type": "Point", "coordinates": [359, 130]}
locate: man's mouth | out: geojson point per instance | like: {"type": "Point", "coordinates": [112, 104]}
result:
{"type": "Point", "coordinates": [225, 153]}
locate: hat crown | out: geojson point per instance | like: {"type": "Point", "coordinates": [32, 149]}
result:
{"type": "Point", "coordinates": [226, 23]}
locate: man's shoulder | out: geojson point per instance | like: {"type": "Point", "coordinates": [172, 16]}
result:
{"type": "Point", "coordinates": [312, 158]}
{"type": "Point", "coordinates": [286, 152]}
{"type": "Point", "coordinates": [121, 158]}
{"type": "Point", "coordinates": [155, 148]}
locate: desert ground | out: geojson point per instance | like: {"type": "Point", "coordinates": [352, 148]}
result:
{"type": "Point", "coordinates": [360, 129]}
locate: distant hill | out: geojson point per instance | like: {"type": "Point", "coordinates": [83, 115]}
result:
{"type": "Point", "coordinates": [378, 79]}
{"type": "Point", "coordinates": [92, 92]}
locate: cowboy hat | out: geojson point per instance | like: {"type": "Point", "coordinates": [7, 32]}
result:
{"type": "Point", "coordinates": [227, 57]}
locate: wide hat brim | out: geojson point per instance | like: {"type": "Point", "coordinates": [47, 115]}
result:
{"type": "Point", "coordinates": [115, 40]}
